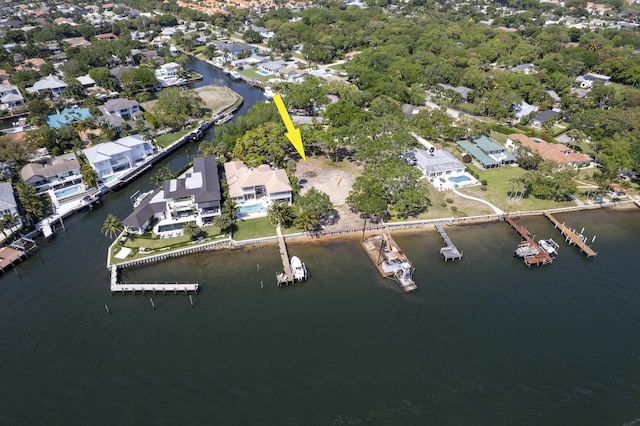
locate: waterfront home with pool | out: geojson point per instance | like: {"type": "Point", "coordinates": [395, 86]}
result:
{"type": "Point", "coordinates": [60, 177]}
{"type": "Point", "coordinates": [254, 189]}
{"type": "Point", "coordinates": [114, 158]}
{"type": "Point", "coordinates": [195, 197]}
{"type": "Point", "coordinates": [440, 168]}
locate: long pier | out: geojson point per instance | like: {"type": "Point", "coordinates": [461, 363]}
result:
{"type": "Point", "coordinates": [571, 237]}
{"type": "Point", "coordinates": [450, 251]}
{"type": "Point", "coordinates": [117, 287]}
{"type": "Point", "coordinates": [541, 257]}
{"type": "Point", "coordinates": [286, 277]}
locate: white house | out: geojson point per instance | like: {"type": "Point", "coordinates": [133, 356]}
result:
{"type": "Point", "coordinates": [51, 86]}
{"type": "Point", "coordinates": [10, 97]}
{"type": "Point", "coordinates": [8, 205]}
{"type": "Point", "coordinates": [169, 74]}
{"type": "Point", "coordinates": [262, 185]}
{"type": "Point", "coordinates": [586, 81]}
{"type": "Point", "coordinates": [195, 197]}
{"type": "Point", "coordinates": [109, 158]}
{"type": "Point", "coordinates": [272, 66]}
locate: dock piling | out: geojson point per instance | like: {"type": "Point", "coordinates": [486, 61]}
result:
{"type": "Point", "coordinates": [153, 305]}
{"type": "Point", "coordinates": [191, 300]}
{"type": "Point", "coordinates": [108, 310]}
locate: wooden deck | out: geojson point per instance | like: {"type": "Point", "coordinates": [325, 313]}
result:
{"type": "Point", "coordinates": [542, 257]}
{"type": "Point", "coordinates": [382, 249]}
{"type": "Point", "coordinates": [9, 256]}
{"type": "Point", "coordinates": [571, 236]}
{"type": "Point", "coordinates": [286, 277]}
{"type": "Point", "coordinates": [450, 251]}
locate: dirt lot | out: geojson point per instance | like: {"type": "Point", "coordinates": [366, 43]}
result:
{"type": "Point", "coordinates": [334, 180]}
{"type": "Point", "coordinates": [217, 98]}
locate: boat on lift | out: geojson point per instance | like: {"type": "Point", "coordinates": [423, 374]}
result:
{"type": "Point", "coordinates": [298, 269]}
{"type": "Point", "coordinates": [550, 246]}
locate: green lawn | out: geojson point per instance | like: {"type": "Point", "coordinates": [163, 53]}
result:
{"type": "Point", "coordinates": [252, 73]}
{"type": "Point", "coordinates": [253, 228]}
{"type": "Point", "coordinates": [499, 186]}
{"type": "Point", "coordinates": [338, 67]}
{"type": "Point", "coordinates": [169, 138]}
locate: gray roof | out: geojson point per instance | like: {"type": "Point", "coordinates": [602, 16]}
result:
{"type": "Point", "coordinates": [119, 104]}
{"type": "Point", "coordinates": [543, 115]}
{"type": "Point", "coordinates": [202, 182]}
{"type": "Point", "coordinates": [34, 172]}
{"type": "Point", "coordinates": [7, 197]}
{"type": "Point", "coordinates": [48, 83]}
{"type": "Point", "coordinates": [437, 161]}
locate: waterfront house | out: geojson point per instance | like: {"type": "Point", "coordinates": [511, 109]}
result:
{"type": "Point", "coordinates": [8, 205]}
{"type": "Point", "coordinates": [117, 111]}
{"type": "Point", "coordinates": [168, 74]}
{"type": "Point", "coordinates": [256, 186]}
{"type": "Point", "coordinates": [233, 50]}
{"type": "Point", "coordinates": [10, 97]}
{"type": "Point", "coordinates": [435, 163]}
{"type": "Point", "coordinates": [110, 158]}
{"type": "Point", "coordinates": [56, 174]}
{"type": "Point", "coordinates": [561, 154]}
{"type": "Point", "coordinates": [272, 66]}
{"type": "Point", "coordinates": [195, 197]}
{"type": "Point", "coordinates": [51, 86]}
{"type": "Point", "coordinates": [487, 152]}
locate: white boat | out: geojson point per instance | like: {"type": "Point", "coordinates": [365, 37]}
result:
{"type": "Point", "coordinates": [298, 269]}
{"type": "Point", "coordinates": [223, 120]}
{"type": "Point", "coordinates": [526, 249]}
{"type": "Point", "coordinates": [268, 92]}
{"type": "Point", "coordinates": [235, 75]}
{"type": "Point", "coordinates": [138, 197]}
{"type": "Point", "coordinates": [550, 246]}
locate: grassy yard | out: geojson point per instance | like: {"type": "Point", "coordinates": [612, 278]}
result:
{"type": "Point", "coordinates": [253, 228]}
{"type": "Point", "coordinates": [169, 138]}
{"type": "Point", "coordinates": [252, 73]}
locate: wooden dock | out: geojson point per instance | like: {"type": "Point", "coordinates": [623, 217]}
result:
{"type": "Point", "coordinates": [117, 287]}
{"type": "Point", "coordinates": [390, 261]}
{"type": "Point", "coordinates": [571, 237]}
{"type": "Point", "coordinates": [450, 251]}
{"type": "Point", "coordinates": [287, 277]}
{"type": "Point", "coordinates": [541, 257]}
{"type": "Point", "coordinates": [9, 256]}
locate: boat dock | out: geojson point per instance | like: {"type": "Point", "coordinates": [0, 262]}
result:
{"type": "Point", "coordinates": [117, 287]}
{"type": "Point", "coordinates": [537, 256]}
{"type": "Point", "coordinates": [389, 260]}
{"type": "Point", "coordinates": [286, 277]}
{"type": "Point", "coordinates": [450, 251]}
{"type": "Point", "coordinates": [9, 256]}
{"type": "Point", "coordinates": [571, 236]}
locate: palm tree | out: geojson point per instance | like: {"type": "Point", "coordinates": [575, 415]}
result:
{"type": "Point", "coordinates": [163, 174]}
{"type": "Point", "coordinates": [112, 226]}
{"type": "Point", "coordinates": [306, 220]}
{"type": "Point", "coordinates": [280, 213]}
{"type": "Point", "coordinates": [6, 221]}
{"type": "Point", "coordinates": [191, 230]}
{"type": "Point", "coordinates": [223, 221]}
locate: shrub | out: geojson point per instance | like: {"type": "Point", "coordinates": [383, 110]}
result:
{"type": "Point", "coordinates": [449, 200]}
{"type": "Point", "coordinates": [454, 208]}
{"type": "Point", "coordinates": [443, 204]}
{"type": "Point", "coordinates": [483, 182]}
{"type": "Point", "coordinates": [483, 188]}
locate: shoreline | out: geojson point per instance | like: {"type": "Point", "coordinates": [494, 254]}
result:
{"type": "Point", "coordinates": [337, 234]}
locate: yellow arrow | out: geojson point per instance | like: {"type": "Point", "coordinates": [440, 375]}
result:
{"type": "Point", "coordinates": [292, 134]}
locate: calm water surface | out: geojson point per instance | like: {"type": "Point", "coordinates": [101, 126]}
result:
{"type": "Point", "coordinates": [484, 340]}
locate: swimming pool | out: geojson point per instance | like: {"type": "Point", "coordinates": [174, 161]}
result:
{"type": "Point", "coordinates": [67, 192]}
{"type": "Point", "coordinates": [459, 179]}
{"type": "Point", "coordinates": [253, 208]}
{"type": "Point", "coordinates": [263, 72]}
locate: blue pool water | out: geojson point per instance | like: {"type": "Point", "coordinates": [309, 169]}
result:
{"type": "Point", "coordinates": [253, 208]}
{"type": "Point", "coordinates": [263, 72]}
{"type": "Point", "coordinates": [458, 179]}
{"type": "Point", "coordinates": [67, 192]}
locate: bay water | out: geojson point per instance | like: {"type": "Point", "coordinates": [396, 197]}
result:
{"type": "Point", "coordinates": [485, 340]}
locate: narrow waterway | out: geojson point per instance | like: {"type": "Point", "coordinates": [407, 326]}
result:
{"type": "Point", "coordinates": [484, 341]}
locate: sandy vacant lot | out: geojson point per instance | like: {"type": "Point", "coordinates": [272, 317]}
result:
{"type": "Point", "coordinates": [335, 181]}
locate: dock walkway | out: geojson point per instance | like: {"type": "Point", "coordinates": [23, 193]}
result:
{"type": "Point", "coordinates": [287, 277]}
{"type": "Point", "coordinates": [571, 237]}
{"type": "Point", "coordinates": [117, 287]}
{"type": "Point", "coordinates": [541, 257]}
{"type": "Point", "coordinates": [450, 251]}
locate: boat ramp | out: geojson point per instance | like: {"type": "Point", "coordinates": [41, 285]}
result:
{"type": "Point", "coordinates": [571, 236]}
{"type": "Point", "coordinates": [450, 251]}
{"type": "Point", "coordinates": [389, 260]}
{"type": "Point", "coordinates": [528, 249]}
